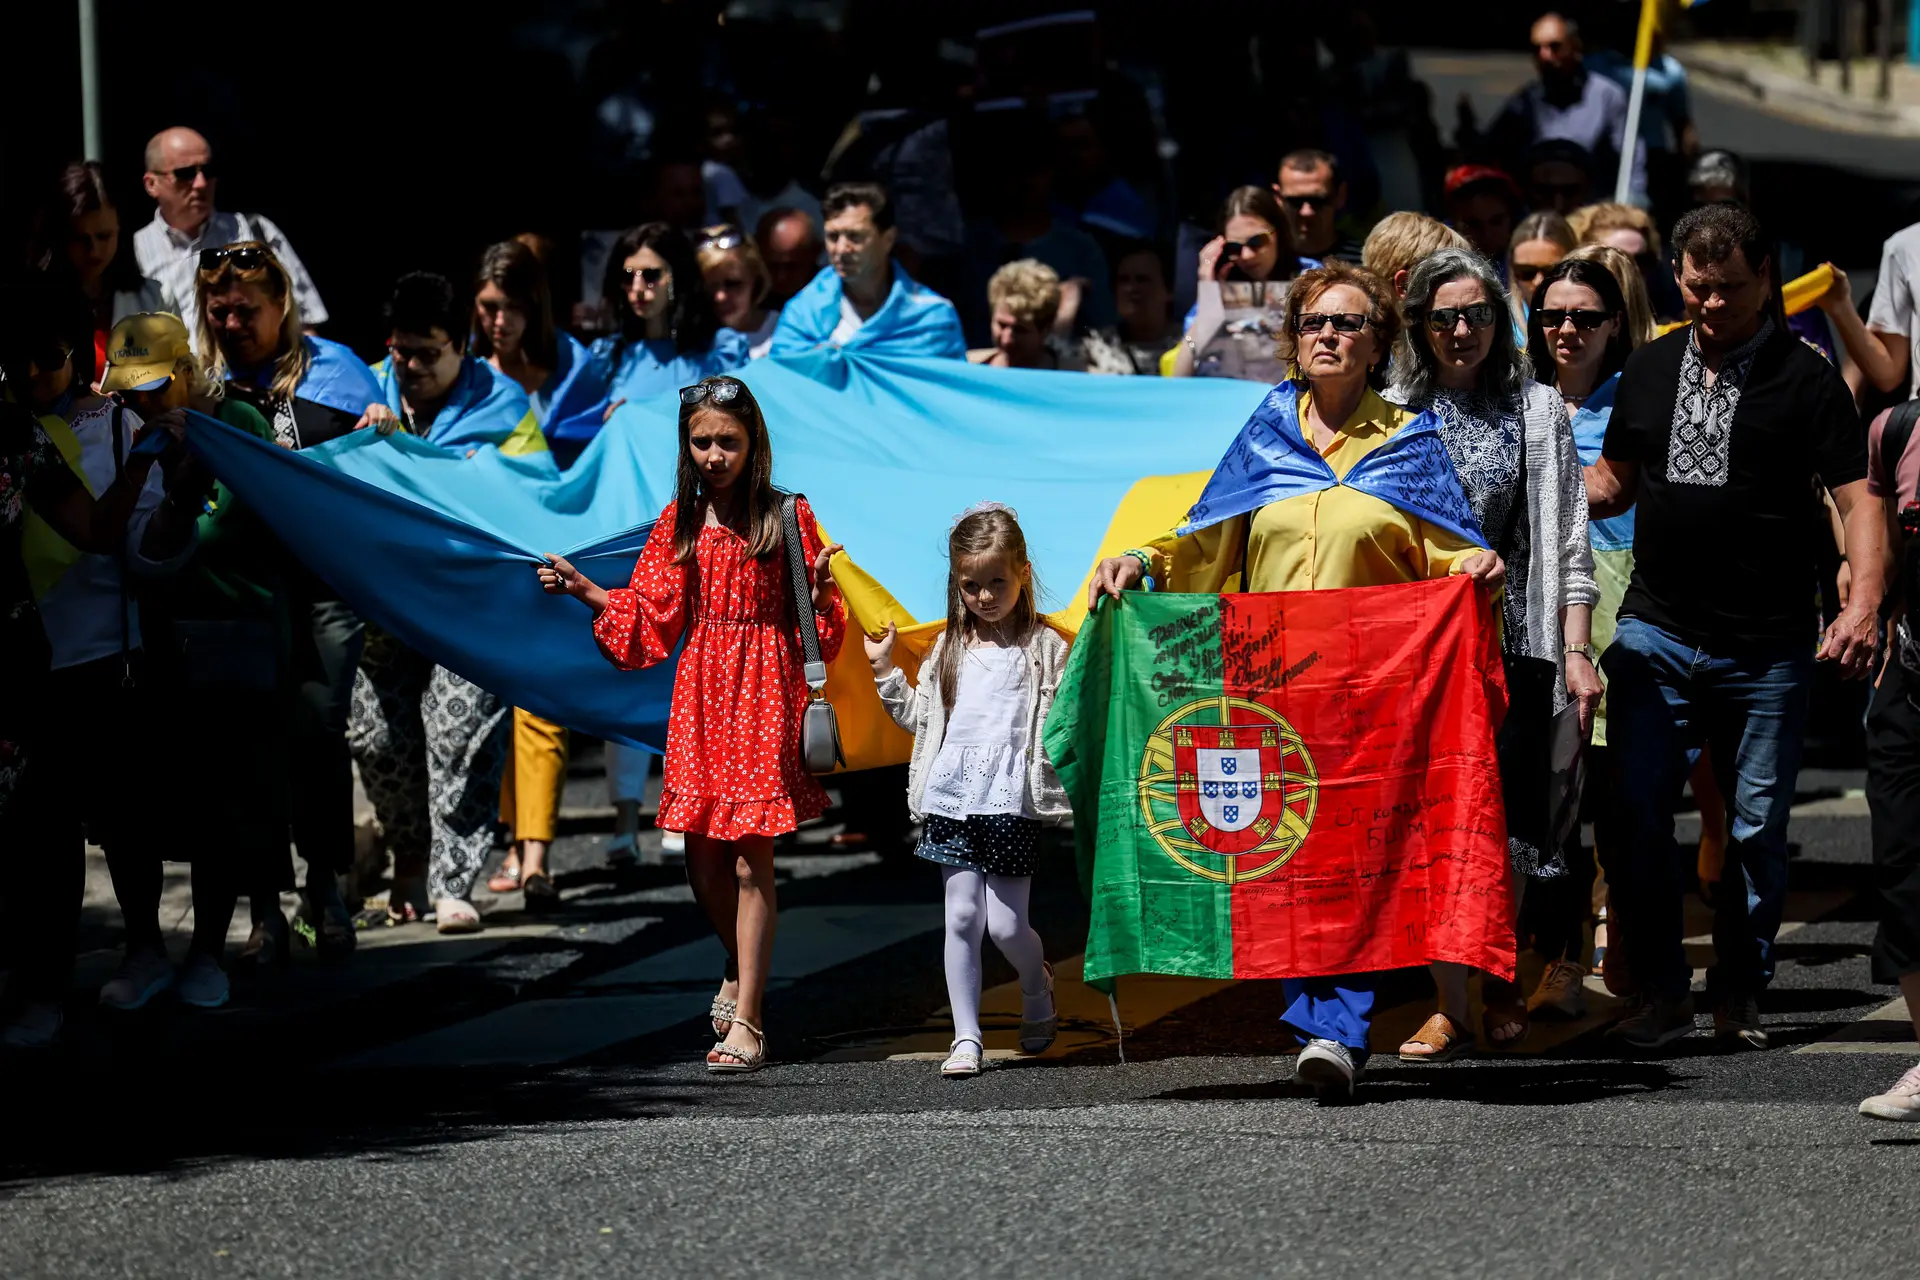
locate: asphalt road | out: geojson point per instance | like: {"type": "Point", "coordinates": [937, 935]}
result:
{"type": "Point", "coordinates": [530, 1101]}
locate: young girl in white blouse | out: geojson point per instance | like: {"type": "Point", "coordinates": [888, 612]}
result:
{"type": "Point", "coordinates": [980, 780]}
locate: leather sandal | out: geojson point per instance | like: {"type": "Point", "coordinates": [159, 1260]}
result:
{"type": "Point", "coordinates": [1441, 1037]}
{"type": "Point", "coordinates": [1506, 1006]}
{"type": "Point", "coordinates": [726, 1060]}
{"type": "Point", "coordinates": [505, 880]}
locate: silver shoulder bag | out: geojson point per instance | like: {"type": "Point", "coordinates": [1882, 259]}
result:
{"type": "Point", "coordinates": [819, 726]}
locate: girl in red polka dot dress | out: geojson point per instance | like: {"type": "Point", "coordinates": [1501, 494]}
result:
{"type": "Point", "coordinates": [715, 567]}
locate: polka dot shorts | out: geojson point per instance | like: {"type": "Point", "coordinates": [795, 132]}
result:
{"type": "Point", "coordinates": [995, 844]}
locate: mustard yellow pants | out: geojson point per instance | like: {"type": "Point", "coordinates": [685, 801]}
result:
{"type": "Point", "coordinates": [535, 775]}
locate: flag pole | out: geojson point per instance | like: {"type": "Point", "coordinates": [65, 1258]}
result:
{"type": "Point", "coordinates": [90, 81]}
{"type": "Point", "coordinates": [1642, 55]}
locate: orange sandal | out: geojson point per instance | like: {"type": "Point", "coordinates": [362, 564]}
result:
{"type": "Point", "coordinates": [1438, 1039]}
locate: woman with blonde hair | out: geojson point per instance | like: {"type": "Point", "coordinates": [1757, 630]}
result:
{"type": "Point", "coordinates": [1400, 240]}
{"type": "Point", "coordinates": [1024, 300]}
{"type": "Point", "coordinates": [1540, 240]}
{"type": "Point", "coordinates": [738, 282]}
{"type": "Point", "coordinates": [1631, 230]}
{"type": "Point", "coordinates": [1642, 328]}
{"type": "Point", "coordinates": [310, 391]}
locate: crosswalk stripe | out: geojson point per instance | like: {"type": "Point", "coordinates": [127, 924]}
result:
{"type": "Point", "coordinates": [1888, 1029]}
{"type": "Point", "coordinates": [649, 995]}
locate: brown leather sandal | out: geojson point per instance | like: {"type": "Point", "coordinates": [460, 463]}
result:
{"type": "Point", "coordinates": [1438, 1039]}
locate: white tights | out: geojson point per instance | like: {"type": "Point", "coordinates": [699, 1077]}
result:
{"type": "Point", "coordinates": [997, 905]}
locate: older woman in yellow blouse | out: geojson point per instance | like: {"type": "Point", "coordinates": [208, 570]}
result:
{"type": "Point", "coordinates": [1275, 518]}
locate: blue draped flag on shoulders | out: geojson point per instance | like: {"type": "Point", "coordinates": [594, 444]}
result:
{"type": "Point", "coordinates": [1271, 460]}
{"type": "Point", "coordinates": [913, 321]}
{"type": "Point", "coordinates": [484, 408]}
{"type": "Point", "coordinates": [338, 379]}
{"type": "Point", "coordinates": [575, 386]}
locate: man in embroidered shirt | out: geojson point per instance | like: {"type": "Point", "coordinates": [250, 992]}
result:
{"type": "Point", "coordinates": [181, 178]}
{"type": "Point", "coordinates": [1566, 103]}
{"type": "Point", "coordinates": [1719, 434]}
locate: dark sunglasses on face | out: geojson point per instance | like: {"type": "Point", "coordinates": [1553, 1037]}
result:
{"type": "Point", "coordinates": [1552, 318]}
{"type": "Point", "coordinates": [417, 355]}
{"type": "Point", "coordinates": [245, 258]}
{"type": "Point", "coordinates": [651, 275]}
{"type": "Point", "coordinates": [1523, 274]}
{"type": "Point", "coordinates": [1478, 316]}
{"type": "Point", "coordinates": [184, 176]}
{"type": "Point", "coordinates": [1310, 324]}
{"type": "Point", "coordinates": [717, 392]}
{"type": "Point", "coordinates": [52, 357]}
{"type": "Point", "coordinates": [1252, 244]}
{"type": "Point", "coordinates": [1299, 203]}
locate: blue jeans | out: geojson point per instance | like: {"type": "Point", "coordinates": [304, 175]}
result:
{"type": "Point", "coordinates": [1339, 1009]}
{"type": "Point", "coordinates": [1666, 699]}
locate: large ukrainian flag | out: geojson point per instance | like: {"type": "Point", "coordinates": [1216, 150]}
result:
{"type": "Point", "coordinates": [436, 546]}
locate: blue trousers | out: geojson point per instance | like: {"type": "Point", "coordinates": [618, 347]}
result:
{"type": "Point", "coordinates": [1667, 698]}
{"type": "Point", "coordinates": [1337, 1008]}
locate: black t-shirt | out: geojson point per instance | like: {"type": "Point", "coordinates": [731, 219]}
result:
{"type": "Point", "coordinates": [1723, 550]}
{"type": "Point", "coordinates": [313, 423]}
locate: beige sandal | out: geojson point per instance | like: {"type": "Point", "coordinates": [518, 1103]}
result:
{"type": "Point", "coordinates": [738, 1062]}
{"type": "Point", "coordinates": [720, 1015]}
{"type": "Point", "coordinates": [1440, 1037]}
{"type": "Point", "coordinates": [454, 915]}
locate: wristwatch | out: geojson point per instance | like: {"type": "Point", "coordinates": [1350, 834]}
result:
{"type": "Point", "coordinates": [1584, 649]}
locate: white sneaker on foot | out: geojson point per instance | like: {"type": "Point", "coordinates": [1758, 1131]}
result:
{"type": "Point", "coordinates": [36, 1026]}
{"type": "Point", "coordinates": [1326, 1067]}
{"type": "Point", "coordinates": [1902, 1102]}
{"type": "Point", "coordinates": [142, 975]}
{"type": "Point", "coordinates": [673, 847]}
{"type": "Point", "coordinates": [203, 983]}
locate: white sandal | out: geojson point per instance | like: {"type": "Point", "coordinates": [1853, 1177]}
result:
{"type": "Point", "coordinates": [1037, 1036]}
{"type": "Point", "coordinates": [738, 1062]}
{"type": "Point", "coordinates": [963, 1059]}
{"type": "Point", "coordinates": [456, 915]}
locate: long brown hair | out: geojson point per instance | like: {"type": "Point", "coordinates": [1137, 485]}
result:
{"type": "Point", "coordinates": [290, 366]}
{"type": "Point", "coordinates": [761, 519]}
{"type": "Point", "coordinates": [515, 270]}
{"type": "Point", "coordinates": [993, 530]}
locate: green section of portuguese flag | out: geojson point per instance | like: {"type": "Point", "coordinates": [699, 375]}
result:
{"type": "Point", "coordinates": [1134, 666]}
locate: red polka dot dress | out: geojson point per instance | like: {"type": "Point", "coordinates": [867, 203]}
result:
{"type": "Point", "coordinates": [733, 734]}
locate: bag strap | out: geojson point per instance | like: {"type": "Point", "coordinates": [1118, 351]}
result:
{"type": "Point", "coordinates": [1894, 439]}
{"type": "Point", "coordinates": [809, 626]}
{"type": "Point", "coordinates": [120, 551]}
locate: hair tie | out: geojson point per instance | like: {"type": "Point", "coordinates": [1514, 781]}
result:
{"type": "Point", "coordinates": [980, 508]}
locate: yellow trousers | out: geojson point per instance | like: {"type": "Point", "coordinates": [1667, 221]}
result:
{"type": "Point", "coordinates": [535, 775]}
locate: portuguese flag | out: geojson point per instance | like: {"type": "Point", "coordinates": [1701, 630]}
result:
{"type": "Point", "coordinates": [1292, 784]}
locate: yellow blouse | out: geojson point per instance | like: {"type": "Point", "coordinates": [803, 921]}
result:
{"type": "Point", "coordinates": [1338, 537]}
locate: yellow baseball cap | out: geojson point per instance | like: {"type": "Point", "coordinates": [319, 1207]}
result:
{"type": "Point", "coordinates": [143, 351]}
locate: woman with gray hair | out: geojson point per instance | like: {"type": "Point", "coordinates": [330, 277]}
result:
{"type": "Point", "coordinates": [1513, 447]}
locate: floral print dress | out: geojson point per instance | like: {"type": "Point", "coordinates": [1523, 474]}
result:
{"type": "Point", "coordinates": [31, 470]}
{"type": "Point", "coordinates": [733, 734]}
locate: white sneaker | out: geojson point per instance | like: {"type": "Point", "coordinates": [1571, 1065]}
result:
{"type": "Point", "coordinates": [1562, 993]}
{"type": "Point", "coordinates": [36, 1027]}
{"type": "Point", "coordinates": [1326, 1067]}
{"type": "Point", "coordinates": [1902, 1102]}
{"type": "Point", "coordinates": [203, 983]}
{"type": "Point", "coordinates": [673, 847]}
{"type": "Point", "coordinates": [142, 975]}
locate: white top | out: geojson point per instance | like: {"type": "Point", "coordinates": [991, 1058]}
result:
{"type": "Point", "coordinates": [1893, 305]}
{"type": "Point", "coordinates": [171, 258]}
{"type": "Point", "coordinates": [850, 322]}
{"type": "Point", "coordinates": [760, 341]}
{"type": "Point", "coordinates": [81, 611]}
{"type": "Point", "coordinates": [982, 765]}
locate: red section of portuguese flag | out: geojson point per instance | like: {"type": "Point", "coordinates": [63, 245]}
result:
{"type": "Point", "coordinates": [1287, 785]}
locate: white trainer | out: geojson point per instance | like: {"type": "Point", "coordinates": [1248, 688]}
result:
{"type": "Point", "coordinates": [1902, 1102]}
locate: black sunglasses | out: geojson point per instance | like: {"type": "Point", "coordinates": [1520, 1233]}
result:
{"type": "Point", "coordinates": [717, 392]}
{"type": "Point", "coordinates": [1232, 248]}
{"type": "Point", "coordinates": [1297, 203]}
{"type": "Point", "coordinates": [1524, 274]}
{"type": "Point", "coordinates": [1342, 321]}
{"type": "Point", "coordinates": [1478, 315]}
{"type": "Point", "coordinates": [185, 175]}
{"type": "Point", "coordinates": [652, 275]}
{"type": "Point", "coordinates": [1552, 318]}
{"type": "Point", "coordinates": [244, 257]}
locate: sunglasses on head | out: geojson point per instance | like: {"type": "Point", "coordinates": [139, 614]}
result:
{"type": "Point", "coordinates": [1478, 316]}
{"type": "Point", "coordinates": [651, 275]}
{"type": "Point", "coordinates": [722, 237]}
{"type": "Point", "coordinates": [187, 173]}
{"type": "Point", "coordinates": [247, 259]}
{"type": "Point", "coordinates": [1313, 322]}
{"type": "Point", "coordinates": [717, 392]}
{"type": "Point", "coordinates": [1552, 318]}
{"type": "Point", "coordinates": [1254, 244]}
